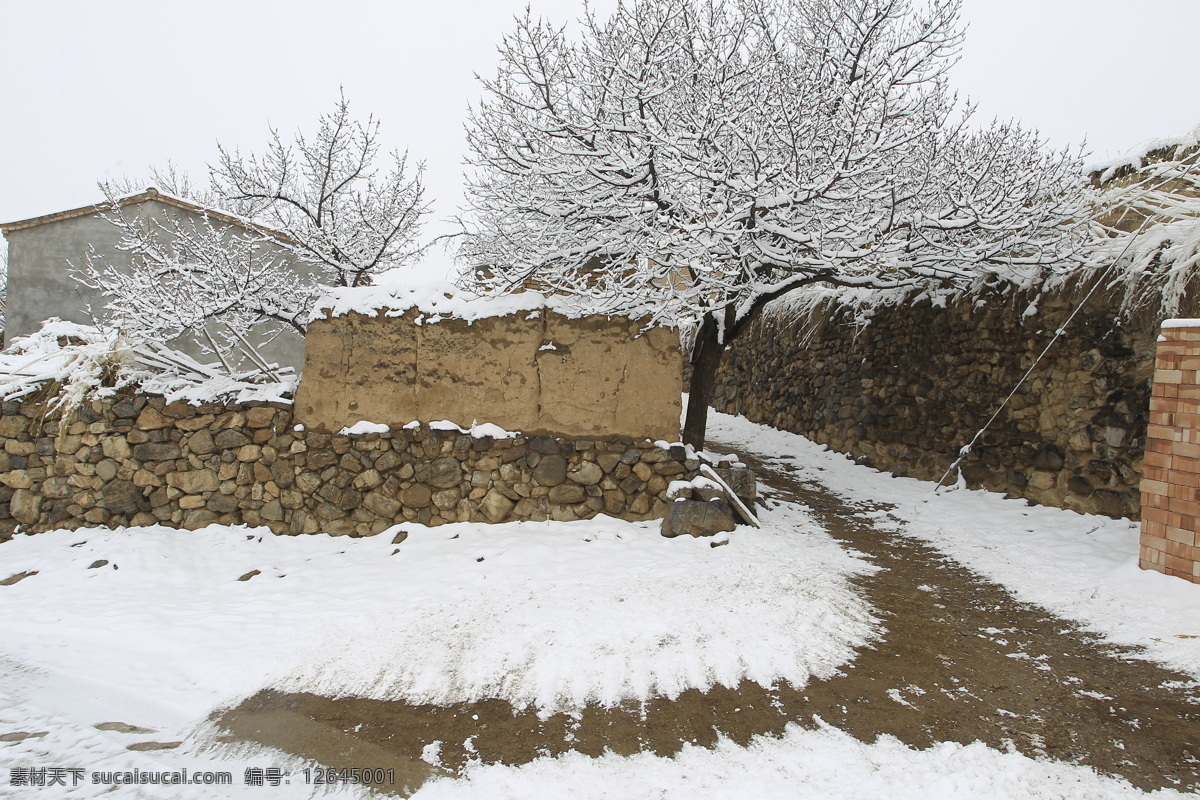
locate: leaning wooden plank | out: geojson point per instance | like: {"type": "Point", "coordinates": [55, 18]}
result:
{"type": "Point", "coordinates": [711, 473]}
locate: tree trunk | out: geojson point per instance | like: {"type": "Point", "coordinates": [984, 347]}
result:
{"type": "Point", "coordinates": [706, 357]}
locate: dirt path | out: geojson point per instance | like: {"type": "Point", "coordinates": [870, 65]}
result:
{"type": "Point", "coordinates": [961, 661]}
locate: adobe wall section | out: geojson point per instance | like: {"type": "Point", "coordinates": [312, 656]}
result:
{"type": "Point", "coordinates": [534, 371]}
{"type": "Point", "coordinates": [135, 460]}
{"type": "Point", "coordinates": [1171, 484]}
{"type": "Point", "coordinates": [907, 391]}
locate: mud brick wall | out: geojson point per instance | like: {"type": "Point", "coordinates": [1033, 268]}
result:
{"type": "Point", "coordinates": [906, 392]}
{"type": "Point", "coordinates": [136, 460]}
{"type": "Point", "coordinates": [539, 372]}
{"type": "Point", "coordinates": [1171, 484]}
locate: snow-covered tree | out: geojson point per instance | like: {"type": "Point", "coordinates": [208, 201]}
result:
{"type": "Point", "coordinates": [327, 209]}
{"type": "Point", "coordinates": [697, 159]}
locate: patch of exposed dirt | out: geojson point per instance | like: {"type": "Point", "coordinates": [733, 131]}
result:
{"type": "Point", "coordinates": [961, 660]}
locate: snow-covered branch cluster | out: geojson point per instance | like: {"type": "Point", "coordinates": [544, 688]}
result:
{"type": "Point", "coordinates": [703, 158]}
{"type": "Point", "coordinates": [339, 212]}
{"type": "Point", "coordinates": [712, 156]}
{"type": "Point", "coordinates": [271, 234]}
{"type": "Point", "coordinates": [1149, 223]}
{"type": "Point", "coordinates": [224, 284]}
{"type": "Point", "coordinates": [79, 362]}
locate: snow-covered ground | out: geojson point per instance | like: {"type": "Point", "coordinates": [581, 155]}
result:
{"type": "Point", "coordinates": [823, 764]}
{"type": "Point", "coordinates": [547, 615]}
{"type": "Point", "coordinates": [1079, 566]}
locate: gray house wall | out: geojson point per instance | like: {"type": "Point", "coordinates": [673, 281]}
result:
{"type": "Point", "coordinates": [40, 285]}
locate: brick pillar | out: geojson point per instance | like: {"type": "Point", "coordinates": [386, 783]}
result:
{"type": "Point", "coordinates": [1171, 476]}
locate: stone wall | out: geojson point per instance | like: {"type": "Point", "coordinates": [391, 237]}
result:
{"type": "Point", "coordinates": [534, 371]}
{"type": "Point", "coordinates": [907, 391]}
{"type": "Point", "coordinates": [1171, 484]}
{"type": "Point", "coordinates": [136, 460]}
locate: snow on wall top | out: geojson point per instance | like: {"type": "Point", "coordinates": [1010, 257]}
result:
{"type": "Point", "coordinates": [1181, 323]}
{"type": "Point", "coordinates": [439, 299]}
{"type": "Point", "coordinates": [1135, 158]}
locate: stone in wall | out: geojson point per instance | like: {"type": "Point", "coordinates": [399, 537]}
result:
{"type": "Point", "coordinates": [907, 391]}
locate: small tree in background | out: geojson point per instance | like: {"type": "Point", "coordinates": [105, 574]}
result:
{"type": "Point", "coordinates": [232, 287]}
{"type": "Point", "coordinates": [695, 160]}
{"type": "Point", "coordinates": [327, 209]}
{"type": "Point", "coordinates": [343, 215]}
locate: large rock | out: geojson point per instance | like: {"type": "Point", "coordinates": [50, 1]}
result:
{"type": "Point", "coordinates": [151, 420]}
{"type": "Point", "coordinates": [56, 487]}
{"type": "Point", "coordinates": [115, 447]}
{"type": "Point", "coordinates": [550, 471]}
{"type": "Point", "coordinates": [367, 479]}
{"type": "Point", "coordinates": [198, 518]}
{"type": "Point", "coordinates": [13, 426]}
{"type": "Point", "coordinates": [442, 473]}
{"type": "Point", "coordinates": [230, 440]}
{"type": "Point", "coordinates": [567, 494]}
{"type": "Point", "coordinates": [226, 503]}
{"type": "Point", "coordinates": [122, 497]}
{"type": "Point", "coordinates": [742, 481]}
{"type": "Point", "coordinates": [586, 473]}
{"type": "Point", "coordinates": [697, 518]}
{"type": "Point", "coordinates": [447, 498]}
{"type": "Point", "coordinates": [156, 451]}
{"type": "Point", "coordinates": [495, 506]}
{"type": "Point", "coordinates": [260, 417]}
{"type": "Point", "coordinates": [383, 506]}
{"type": "Point", "coordinates": [201, 443]}
{"type": "Point", "coordinates": [194, 482]}
{"type": "Point", "coordinates": [25, 507]}
{"type": "Point", "coordinates": [544, 444]}
{"type": "Point", "coordinates": [608, 461]}
{"type": "Point", "coordinates": [416, 496]}
{"type": "Point", "coordinates": [1049, 458]}
{"type": "Point", "coordinates": [17, 479]}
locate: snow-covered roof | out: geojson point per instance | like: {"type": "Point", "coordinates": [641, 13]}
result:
{"type": "Point", "coordinates": [1135, 158]}
{"type": "Point", "coordinates": [151, 193]}
{"type": "Point", "coordinates": [440, 299]}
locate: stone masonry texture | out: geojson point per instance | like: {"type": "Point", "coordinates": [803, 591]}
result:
{"type": "Point", "coordinates": [906, 392]}
{"type": "Point", "coordinates": [1171, 480]}
{"type": "Point", "coordinates": [136, 460]}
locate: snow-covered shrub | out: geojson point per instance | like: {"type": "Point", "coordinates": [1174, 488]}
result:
{"type": "Point", "coordinates": [72, 363]}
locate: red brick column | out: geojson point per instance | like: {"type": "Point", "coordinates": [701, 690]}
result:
{"type": "Point", "coordinates": [1171, 477]}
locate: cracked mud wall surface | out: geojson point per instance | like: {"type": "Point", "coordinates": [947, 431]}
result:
{"type": "Point", "coordinates": [538, 373]}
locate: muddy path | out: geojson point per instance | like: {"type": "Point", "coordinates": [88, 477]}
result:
{"type": "Point", "coordinates": [960, 660]}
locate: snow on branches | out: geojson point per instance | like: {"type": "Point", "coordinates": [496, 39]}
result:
{"type": "Point", "coordinates": [225, 284]}
{"type": "Point", "coordinates": [329, 209]}
{"type": "Point", "coordinates": [708, 157]}
{"type": "Point", "coordinates": [1149, 223]}
{"type": "Point", "coordinates": [343, 216]}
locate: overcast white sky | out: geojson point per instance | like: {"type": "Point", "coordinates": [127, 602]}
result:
{"type": "Point", "coordinates": [100, 90]}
